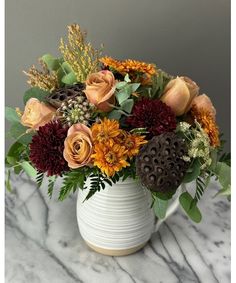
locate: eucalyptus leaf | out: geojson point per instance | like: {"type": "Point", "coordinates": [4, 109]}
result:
{"type": "Point", "coordinates": [114, 114]}
{"type": "Point", "coordinates": [160, 207]}
{"type": "Point", "coordinates": [193, 172]}
{"type": "Point", "coordinates": [127, 105]}
{"type": "Point", "coordinates": [66, 67]}
{"type": "Point", "coordinates": [190, 207]}
{"type": "Point", "coordinates": [122, 96]}
{"type": "Point", "coordinates": [35, 92]}
{"type": "Point", "coordinates": [127, 79]}
{"type": "Point", "coordinates": [29, 169]}
{"type": "Point", "coordinates": [223, 172]}
{"type": "Point", "coordinates": [14, 152]}
{"type": "Point", "coordinates": [69, 79]}
{"type": "Point", "coordinates": [17, 130]}
{"type": "Point", "coordinates": [135, 86]}
{"type": "Point", "coordinates": [120, 85]}
{"type": "Point", "coordinates": [11, 115]}
{"type": "Point", "coordinates": [52, 63]}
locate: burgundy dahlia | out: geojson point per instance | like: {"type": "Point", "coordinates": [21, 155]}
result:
{"type": "Point", "coordinates": [46, 149]}
{"type": "Point", "coordinates": [154, 115]}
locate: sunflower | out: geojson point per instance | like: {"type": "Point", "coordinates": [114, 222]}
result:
{"type": "Point", "coordinates": [208, 123]}
{"type": "Point", "coordinates": [110, 157]}
{"type": "Point", "coordinates": [105, 130]}
{"type": "Point", "coordinates": [132, 67]}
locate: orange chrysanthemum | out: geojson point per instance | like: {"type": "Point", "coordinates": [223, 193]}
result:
{"type": "Point", "coordinates": [105, 130]}
{"type": "Point", "coordinates": [208, 123]}
{"type": "Point", "coordinates": [110, 157]}
{"type": "Point", "coordinates": [130, 67]}
{"type": "Point", "coordinates": [131, 142]}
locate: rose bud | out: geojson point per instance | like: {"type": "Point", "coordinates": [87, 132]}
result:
{"type": "Point", "coordinates": [179, 93]}
{"type": "Point", "coordinates": [100, 89]}
{"type": "Point", "coordinates": [204, 102]}
{"type": "Point", "coordinates": [37, 114]}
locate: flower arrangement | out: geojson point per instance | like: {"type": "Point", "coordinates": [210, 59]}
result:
{"type": "Point", "coordinates": [88, 116]}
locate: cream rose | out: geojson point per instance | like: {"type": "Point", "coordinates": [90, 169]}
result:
{"type": "Point", "coordinates": [203, 102]}
{"type": "Point", "coordinates": [179, 94]}
{"type": "Point", "coordinates": [78, 146]}
{"type": "Point", "coordinates": [100, 89]}
{"type": "Point", "coordinates": [37, 114]}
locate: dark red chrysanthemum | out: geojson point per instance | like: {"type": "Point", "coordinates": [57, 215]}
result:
{"type": "Point", "coordinates": [46, 149]}
{"type": "Point", "coordinates": [154, 115]}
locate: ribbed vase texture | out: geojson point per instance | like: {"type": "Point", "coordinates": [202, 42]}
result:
{"type": "Point", "coordinates": [118, 217]}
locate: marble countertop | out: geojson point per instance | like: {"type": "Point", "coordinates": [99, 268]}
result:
{"type": "Point", "coordinates": [43, 244]}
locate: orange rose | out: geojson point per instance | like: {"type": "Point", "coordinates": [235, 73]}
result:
{"type": "Point", "coordinates": [100, 89]}
{"type": "Point", "coordinates": [37, 114]}
{"type": "Point", "coordinates": [204, 102]}
{"type": "Point", "coordinates": [179, 94]}
{"type": "Point", "coordinates": [78, 146]}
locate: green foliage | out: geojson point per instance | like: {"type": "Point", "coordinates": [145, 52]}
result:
{"type": "Point", "coordinates": [52, 63]}
{"type": "Point", "coordinates": [7, 181]}
{"type": "Point", "coordinates": [160, 207]}
{"type": "Point", "coordinates": [11, 115]}
{"type": "Point", "coordinates": [223, 172]}
{"type": "Point", "coordinates": [39, 179]}
{"type": "Point", "coordinates": [72, 181]}
{"type": "Point", "coordinates": [51, 183]}
{"type": "Point", "coordinates": [35, 92]}
{"type": "Point", "coordinates": [193, 171]}
{"type": "Point", "coordinates": [69, 79]}
{"type": "Point", "coordinates": [29, 169]}
{"type": "Point", "coordinates": [189, 205]}
{"type": "Point", "coordinates": [124, 92]}
{"type": "Point", "coordinates": [201, 185]}
{"type": "Point", "coordinates": [226, 158]}
{"type": "Point", "coordinates": [97, 183]}
{"type": "Point", "coordinates": [15, 152]}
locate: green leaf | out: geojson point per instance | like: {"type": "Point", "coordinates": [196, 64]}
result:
{"type": "Point", "coordinates": [7, 181]}
{"type": "Point", "coordinates": [29, 169]}
{"type": "Point", "coordinates": [127, 105]}
{"type": "Point", "coordinates": [14, 152]}
{"type": "Point", "coordinates": [190, 207]}
{"type": "Point", "coordinates": [114, 114]}
{"type": "Point", "coordinates": [160, 207]}
{"type": "Point", "coordinates": [35, 92]}
{"type": "Point", "coordinates": [223, 172]}
{"type": "Point", "coordinates": [193, 172]}
{"type": "Point", "coordinates": [69, 79]}
{"type": "Point", "coordinates": [11, 115]}
{"type": "Point", "coordinates": [127, 79]}
{"type": "Point", "coordinates": [17, 130]}
{"type": "Point", "coordinates": [17, 169]}
{"type": "Point", "coordinates": [121, 85]}
{"type": "Point", "coordinates": [26, 138]}
{"type": "Point", "coordinates": [122, 96]}
{"type": "Point", "coordinates": [51, 183]}
{"type": "Point", "coordinates": [52, 63]}
{"type": "Point", "coordinates": [66, 67]}
{"type": "Point", "coordinates": [135, 86]}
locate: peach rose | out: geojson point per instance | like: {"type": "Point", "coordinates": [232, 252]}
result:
{"type": "Point", "coordinates": [78, 146]}
{"type": "Point", "coordinates": [37, 114]}
{"type": "Point", "coordinates": [179, 94]}
{"type": "Point", "coordinates": [204, 102]}
{"type": "Point", "coordinates": [100, 89]}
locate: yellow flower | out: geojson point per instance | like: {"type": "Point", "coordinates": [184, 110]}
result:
{"type": "Point", "coordinates": [208, 123]}
{"type": "Point", "coordinates": [105, 130]}
{"type": "Point", "coordinates": [132, 67]}
{"type": "Point", "coordinates": [109, 157]}
{"type": "Point", "coordinates": [131, 142]}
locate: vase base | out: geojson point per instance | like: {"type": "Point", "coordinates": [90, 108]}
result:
{"type": "Point", "coordinates": [112, 252]}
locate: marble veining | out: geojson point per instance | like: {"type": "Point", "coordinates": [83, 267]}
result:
{"type": "Point", "coordinates": [43, 244]}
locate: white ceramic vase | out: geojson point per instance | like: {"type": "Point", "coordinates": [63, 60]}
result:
{"type": "Point", "coordinates": [118, 220]}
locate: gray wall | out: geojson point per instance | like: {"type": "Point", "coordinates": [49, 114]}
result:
{"type": "Point", "coordinates": [185, 37]}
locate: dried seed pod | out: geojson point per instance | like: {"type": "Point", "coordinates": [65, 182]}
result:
{"type": "Point", "coordinates": [160, 165]}
{"type": "Point", "coordinates": [67, 93]}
